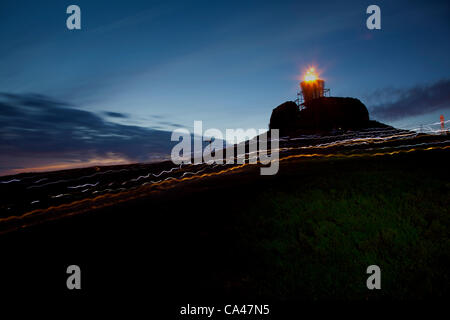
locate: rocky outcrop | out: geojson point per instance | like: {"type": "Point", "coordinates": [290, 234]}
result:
{"type": "Point", "coordinates": [322, 114]}
{"type": "Point", "coordinates": [285, 118]}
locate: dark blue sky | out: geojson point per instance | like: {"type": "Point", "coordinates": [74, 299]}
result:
{"type": "Point", "coordinates": [229, 63]}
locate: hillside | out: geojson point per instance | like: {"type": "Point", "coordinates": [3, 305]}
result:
{"type": "Point", "coordinates": [308, 232]}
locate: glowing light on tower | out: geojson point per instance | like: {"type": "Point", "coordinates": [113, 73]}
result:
{"type": "Point", "coordinates": [311, 87]}
{"type": "Point", "coordinates": [311, 75]}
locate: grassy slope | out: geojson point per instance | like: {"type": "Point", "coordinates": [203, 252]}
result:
{"type": "Point", "coordinates": [318, 232]}
{"type": "Point", "coordinates": [308, 232]}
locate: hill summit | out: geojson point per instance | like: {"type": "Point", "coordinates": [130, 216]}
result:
{"type": "Point", "coordinates": [321, 115]}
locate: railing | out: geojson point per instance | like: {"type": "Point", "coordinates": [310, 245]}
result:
{"type": "Point", "coordinates": [300, 101]}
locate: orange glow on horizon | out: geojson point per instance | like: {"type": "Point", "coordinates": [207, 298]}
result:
{"type": "Point", "coordinates": [110, 160]}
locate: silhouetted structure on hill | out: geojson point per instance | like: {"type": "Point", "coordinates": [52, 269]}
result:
{"type": "Point", "coordinates": [315, 112]}
{"type": "Point", "coordinates": [320, 114]}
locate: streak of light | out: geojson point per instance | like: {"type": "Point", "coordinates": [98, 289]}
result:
{"type": "Point", "coordinates": [84, 185]}
{"type": "Point", "coordinates": [10, 181]}
{"type": "Point", "coordinates": [128, 195]}
{"type": "Point", "coordinates": [60, 195]}
{"type": "Point", "coordinates": [250, 158]}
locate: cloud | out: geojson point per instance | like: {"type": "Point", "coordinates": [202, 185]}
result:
{"type": "Point", "coordinates": [115, 114]}
{"type": "Point", "coordinates": [393, 104]}
{"type": "Point", "coordinates": [36, 130]}
{"type": "Point", "coordinates": [170, 124]}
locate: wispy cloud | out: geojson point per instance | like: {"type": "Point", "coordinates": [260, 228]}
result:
{"type": "Point", "coordinates": [115, 114]}
{"type": "Point", "coordinates": [36, 130]}
{"type": "Point", "coordinates": [394, 104]}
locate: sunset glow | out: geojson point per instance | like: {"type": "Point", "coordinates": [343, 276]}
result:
{"type": "Point", "coordinates": [110, 160]}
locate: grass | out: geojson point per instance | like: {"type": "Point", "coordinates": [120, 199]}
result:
{"type": "Point", "coordinates": [315, 238]}
{"type": "Point", "coordinates": [309, 232]}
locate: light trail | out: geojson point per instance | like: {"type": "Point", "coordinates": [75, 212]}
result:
{"type": "Point", "coordinates": [10, 181]}
{"type": "Point", "coordinates": [351, 142]}
{"type": "Point", "coordinates": [128, 195]}
{"type": "Point", "coordinates": [376, 137]}
{"type": "Point", "coordinates": [153, 174]}
{"type": "Point", "coordinates": [84, 185]}
{"type": "Point", "coordinates": [60, 195]}
{"type": "Point", "coordinates": [312, 137]}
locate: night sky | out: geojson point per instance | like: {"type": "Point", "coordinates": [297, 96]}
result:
{"type": "Point", "coordinates": [108, 92]}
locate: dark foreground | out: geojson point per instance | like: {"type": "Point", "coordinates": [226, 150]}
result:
{"type": "Point", "coordinates": [307, 233]}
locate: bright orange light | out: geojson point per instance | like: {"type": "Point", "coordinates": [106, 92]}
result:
{"type": "Point", "coordinates": [311, 75]}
